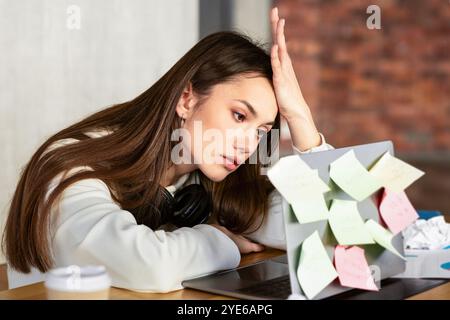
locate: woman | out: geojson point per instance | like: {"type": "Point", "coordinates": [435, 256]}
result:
{"type": "Point", "coordinates": [96, 192]}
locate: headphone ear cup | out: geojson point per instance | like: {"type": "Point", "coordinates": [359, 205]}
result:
{"type": "Point", "coordinates": [167, 206]}
{"type": "Point", "coordinates": [192, 206]}
{"type": "Point", "coordinates": [154, 216]}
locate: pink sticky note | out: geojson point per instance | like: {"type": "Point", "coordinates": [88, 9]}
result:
{"type": "Point", "coordinates": [396, 210]}
{"type": "Point", "coordinates": [352, 268]}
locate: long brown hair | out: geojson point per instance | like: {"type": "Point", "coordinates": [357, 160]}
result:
{"type": "Point", "coordinates": [136, 153]}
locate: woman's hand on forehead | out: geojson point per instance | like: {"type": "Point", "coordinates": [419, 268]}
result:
{"type": "Point", "coordinates": [287, 90]}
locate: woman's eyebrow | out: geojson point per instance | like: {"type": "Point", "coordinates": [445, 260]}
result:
{"type": "Point", "coordinates": [252, 110]}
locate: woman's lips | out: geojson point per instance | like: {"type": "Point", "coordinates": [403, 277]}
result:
{"type": "Point", "coordinates": [229, 163]}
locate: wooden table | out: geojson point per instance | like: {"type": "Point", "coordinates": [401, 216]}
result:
{"type": "Point", "coordinates": [37, 290]}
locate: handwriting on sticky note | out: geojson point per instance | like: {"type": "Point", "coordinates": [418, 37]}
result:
{"type": "Point", "coordinates": [394, 173]}
{"type": "Point", "coordinates": [396, 210]}
{"type": "Point", "coordinates": [315, 269]}
{"type": "Point", "coordinates": [352, 177]}
{"type": "Point", "coordinates": [347, 225]}
{"type": "Point", "coordinates": [382, 236]}
{"type": "Point", "coordinates": [293, 178]}
{"type": "Point", "coordinates": [353, 269]}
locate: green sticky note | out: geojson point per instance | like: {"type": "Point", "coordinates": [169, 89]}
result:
{"type": "Point", "coordinates": [382, 236]}
{"type": "Point", "coordinates": [352, 177]}
{"type": "Point", "coordinates": [394, 173]}
{"type": "Point", "coordinates": [315, 269]}
{"type": "Point", "coordinates": [310, 208]}
{"type": "Point", "coordinates": [293, 178]}
{"type": "Point", "coordinates": [347, 225]}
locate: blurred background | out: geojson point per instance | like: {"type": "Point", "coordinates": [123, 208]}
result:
{"type": "Point", "coordinates": [62, 60]}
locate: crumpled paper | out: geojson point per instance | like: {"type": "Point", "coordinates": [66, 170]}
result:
{"type": "Point", "coordinates": [427, 249]}
{"type": "Point", "coordinates": [428, 234]}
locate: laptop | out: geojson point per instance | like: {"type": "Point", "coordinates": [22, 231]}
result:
{"type": "Point", "coordinates": [276, 278]}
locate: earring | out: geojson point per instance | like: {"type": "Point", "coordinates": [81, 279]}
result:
{"type": "Point", "coordinates": [183, 120]}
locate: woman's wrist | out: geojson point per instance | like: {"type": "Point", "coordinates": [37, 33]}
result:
{"type": "Point", "coordinates": [304, 133]}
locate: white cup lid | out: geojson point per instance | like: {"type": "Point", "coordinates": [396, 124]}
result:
{"type": "Point", "coordinates": [78, 279]}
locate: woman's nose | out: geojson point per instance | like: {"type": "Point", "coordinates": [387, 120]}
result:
{"type": "Point", "coordinates": [246, 144]}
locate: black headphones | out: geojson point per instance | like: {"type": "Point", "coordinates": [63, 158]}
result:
{"type": "Point", "coordinates": [189, 206]}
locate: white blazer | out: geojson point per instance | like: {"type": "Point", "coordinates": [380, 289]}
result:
{"type": "Point", "coordinates": [88, 228]}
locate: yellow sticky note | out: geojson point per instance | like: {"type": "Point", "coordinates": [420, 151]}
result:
{"type": "Point", "coordinates": [394, 173]}
{"type": "Point", "coordinates": [293, 178]}
{"type": "Point", "coordinates": [352, 177]}
{"type": "Point", "coordinates": [315, 269]}
{"type": "Point", "coordinates": [347, 225]}
{"type": "Point", "coordinates": [382, 236]}
{"type": "Point", "coordinates": [310, 208]}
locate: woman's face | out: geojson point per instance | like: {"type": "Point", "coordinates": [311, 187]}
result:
{"type": "Point", "coordinates": [227, 126]}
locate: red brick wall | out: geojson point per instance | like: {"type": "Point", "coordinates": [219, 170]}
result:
{"type": "Point", "coordinates": [369, 85]}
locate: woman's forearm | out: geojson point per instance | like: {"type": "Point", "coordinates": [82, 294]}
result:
{"type": "Point", "coordinates": [303, 131]}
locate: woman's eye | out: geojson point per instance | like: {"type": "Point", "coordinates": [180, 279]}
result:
{"type": "Point", "coordinates": [239, 116]}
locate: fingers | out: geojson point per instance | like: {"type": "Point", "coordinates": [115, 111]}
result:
{"type": "Point", "coordinates": [248, 246]}
{"type": "Point", "coordinates": [252, 247]}
{"type": "Point", "coordinates": [244, 244]}
{"type": "Point", "coordinates": [259, 247]}
{"type": "Point", "coordinates": [281, 40]}
{"type": "Point", "coordinates": [274, 22]}
{"type": "Point", "coordinates": [278, 37]}
{"type": "Point", "coordinates": [276, 65]}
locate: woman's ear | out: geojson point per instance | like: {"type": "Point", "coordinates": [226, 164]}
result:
{"type": "Point", "coordinates": [187, 102]}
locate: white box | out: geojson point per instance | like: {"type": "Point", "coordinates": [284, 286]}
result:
{"type": "Point", "coordinates": [427, 263]}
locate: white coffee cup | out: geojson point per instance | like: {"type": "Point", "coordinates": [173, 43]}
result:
{"type": "Point", "coordinates": [79, 283]}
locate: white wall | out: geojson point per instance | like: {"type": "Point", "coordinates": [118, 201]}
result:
{"type": "Point", "coordinates": [52, 76]}
{"type": "Point", "coordinates": [252, 18]}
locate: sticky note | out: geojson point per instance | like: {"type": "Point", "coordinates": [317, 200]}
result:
{"type": "Point", "coordinates": [346, 223]}
{"type": "Point", "coordinates": [315, 269]}
{"type": "Point", "coordinates": [302, 187]}
{"type": "Point", "coordinates": [393, 173]}
{"type": "Point", "coordinates": [396, 210]}
{"type": "Point", "coordinates": [352, 177]}
{"type": "Point", "coordinates": [353, 269]}
{"type": "Point", "coordinates": [382, 236]}
{"type": "Point", "coordinates": [293, 177]}
{"type": "Point", "coordinates": [310, 209]}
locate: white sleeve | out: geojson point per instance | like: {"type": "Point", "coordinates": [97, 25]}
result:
{"type": "Point", "coordinates": [323, 146]}
{"type": "Point", "coordinates": [92, 229]}
{"type": "Point", "coordinates": [272, 233]}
